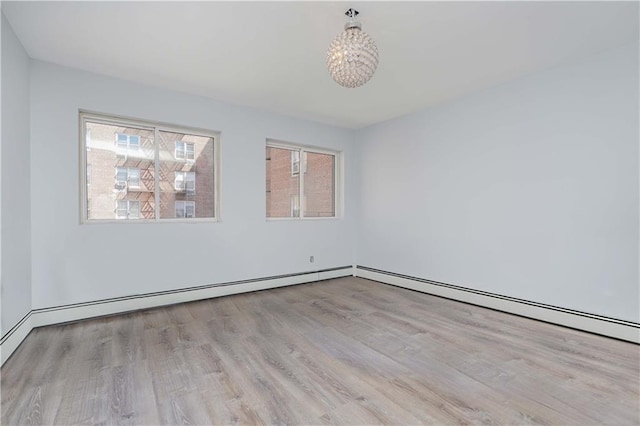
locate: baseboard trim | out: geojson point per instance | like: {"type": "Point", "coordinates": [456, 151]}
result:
{"type": "Point", "coordinates": [80, 311]}
{"type": "Point", "coordinates": [12, 338]}
{"type": "Point", "coordinates": [610, 327]}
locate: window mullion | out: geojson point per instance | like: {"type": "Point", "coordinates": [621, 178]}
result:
{"type": "Point", "coordinates": [156, 172]}
{"type": "Point", "coordinates": [131, 149]}
{"type": "Point", "coordinates": [301, 186]}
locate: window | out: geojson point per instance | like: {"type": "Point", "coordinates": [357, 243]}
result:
{"type": "Point", "coordinates": [295, 206]}
{"type": "Point", "coordinates": [127, 209]}
{"type": "Point", "coordinates": [185, 181]}
{"type": "Point", "coordinates": [186, 209]}
{"type": "Point", "coordinates": [127, 177]}
{"type": "Point", "coordinates": [126, 143]}
{"type": "Point", "coordinates": [295, 163]}
{"type": "Point", "coordinates": [134, 178]}
{"type": "Point", "coordinates": [301, 182]}
{"type": "Point", "coordinates": [185, 151]}
{"type": "Point", "coordinates": [151, 174]}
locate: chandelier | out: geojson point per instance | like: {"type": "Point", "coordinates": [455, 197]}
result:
{"type": "Point", "coordinates": [352, 57]}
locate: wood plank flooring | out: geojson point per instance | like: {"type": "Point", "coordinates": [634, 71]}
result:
{"type": "Point", "coordinates": [345, 351]}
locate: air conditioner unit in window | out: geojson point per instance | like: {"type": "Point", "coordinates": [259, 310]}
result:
{"type": "Point", "coordinates": [121, 184]}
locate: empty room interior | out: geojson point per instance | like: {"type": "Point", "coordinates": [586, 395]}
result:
{"type": "Point", "coordinates": [320, 213]}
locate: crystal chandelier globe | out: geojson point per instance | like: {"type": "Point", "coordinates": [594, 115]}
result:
{"type": "Point", "coordinates": [352, 57]}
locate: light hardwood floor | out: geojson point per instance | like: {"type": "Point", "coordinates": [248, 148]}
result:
{"type": "Point", "coordinates": [345, 351]}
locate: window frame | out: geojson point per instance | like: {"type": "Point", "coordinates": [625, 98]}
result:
{"type": "Point", "coordinates": [85, 116]}
{"type": "Point", "coordinates": [129, 174]}
{"type": "Point", "coordinates": [184, 151]}
{"type": "Point", "coordinates": [185, 203]}
{"type": "Point", "coordinates": [296, 156]}
{"type": "Point", "coordinates": [185, 181]}
{"type": "Point", "coordinates": [338, 172]}
{"type": "Point", "coordinates": [127, 181]}
{"type": "Point", "coordinates": [125, 151]}
{"type": "Point", "coordinates": [129, 202]}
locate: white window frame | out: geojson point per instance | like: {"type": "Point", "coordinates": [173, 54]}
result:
{"type": "Point", "coordinates": [129, 173]}
{"type": "Point", "coordinates": [127, 182]}
{"type": "Point", "coordinates": [156, 127]}
{"type": "Point", "coordinates": [121, 181]}
{"type": "Point", "coordinates": [129, 203]}
{"type": "Point", "coordinates": [185, 151]}
{"type": "Point", "coordinates": [338, 172]}
{"type": "Point", "coordinates": [184, 187]}
{"type": "Point", "coordinates": [124, 150]}
{"type": "Point", "coordinates": [295, 162]}
{"type": "Point", "coordinates": [184, 205]}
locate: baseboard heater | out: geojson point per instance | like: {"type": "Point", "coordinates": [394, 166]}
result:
{"type": "Point", "coordinates": [80, 311]}
{"type": "Point", "coordinates": [610, 327]}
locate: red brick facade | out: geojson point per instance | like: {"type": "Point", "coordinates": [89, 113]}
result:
{"type": "Point", "coordinates": [283, 170]}
{"type": "Point", "coordinates": [122, 168]}
{"type": "Point", "coordinates": [106, 188]}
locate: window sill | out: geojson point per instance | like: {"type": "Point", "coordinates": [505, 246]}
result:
{"type": "Point", "coordinates": [147, 221]}
{"type": "Point", "coordinates": [300, 219]}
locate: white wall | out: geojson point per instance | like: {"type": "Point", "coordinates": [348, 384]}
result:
{"type": "Point", "coordinates": [15, 199]}
{"type": "Point", "coordinates": [2, 22]}
{"type": "Point", "coordinates": [77, 263]}
{"type": "Point", "coordinates": [529, 189]}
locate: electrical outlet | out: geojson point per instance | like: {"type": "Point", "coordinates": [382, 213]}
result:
{"type": "Point", "coordinates": [311, 259]}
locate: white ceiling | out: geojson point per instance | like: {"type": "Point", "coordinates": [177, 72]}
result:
{"type": "Point", "coordinates": [271, 55]}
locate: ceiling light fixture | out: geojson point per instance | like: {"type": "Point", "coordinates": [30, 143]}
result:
{"type": "Point", "coordinates": [352, 57]}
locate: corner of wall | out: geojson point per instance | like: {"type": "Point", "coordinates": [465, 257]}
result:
{"type": "Point", "coordinates": [15, 264]}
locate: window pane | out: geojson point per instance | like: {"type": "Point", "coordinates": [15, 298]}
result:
{"type": "Point", "coordinates": [109, 153]}
{"type": "Point", "coordinates": [179, 207]}
{"type": "Point", "coordinates": [134, 178]}
{"type": "Point", "coordinates": [189, 182]}
{"type": "Point", "coordinates": [283, 184]}
{"type": "Point", "coordinates": [121, 175]}
{"type": "Point", "coordinates": [134, 142]}
{"type": "Point", "coordinates": [179, 152]}
{"type": "Point", "coordinates": [122, 146]}
{"type": "Point", "coordinates": [186, 181]}
{"type": "Point", "coordinates": [295, 162]}
{"type": "Point", "coordinates": [319, 185]}
{"type": "Point", "coordinates": [134, 209]}
{"type": "Point", "coordinates": [121, 209]}
{"type": "Point", "coordinates": [178, 182]}
{"type": "Point", "coordinates": [190, 151]}
{"type": "Point", "coordinates": [190, 209]}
